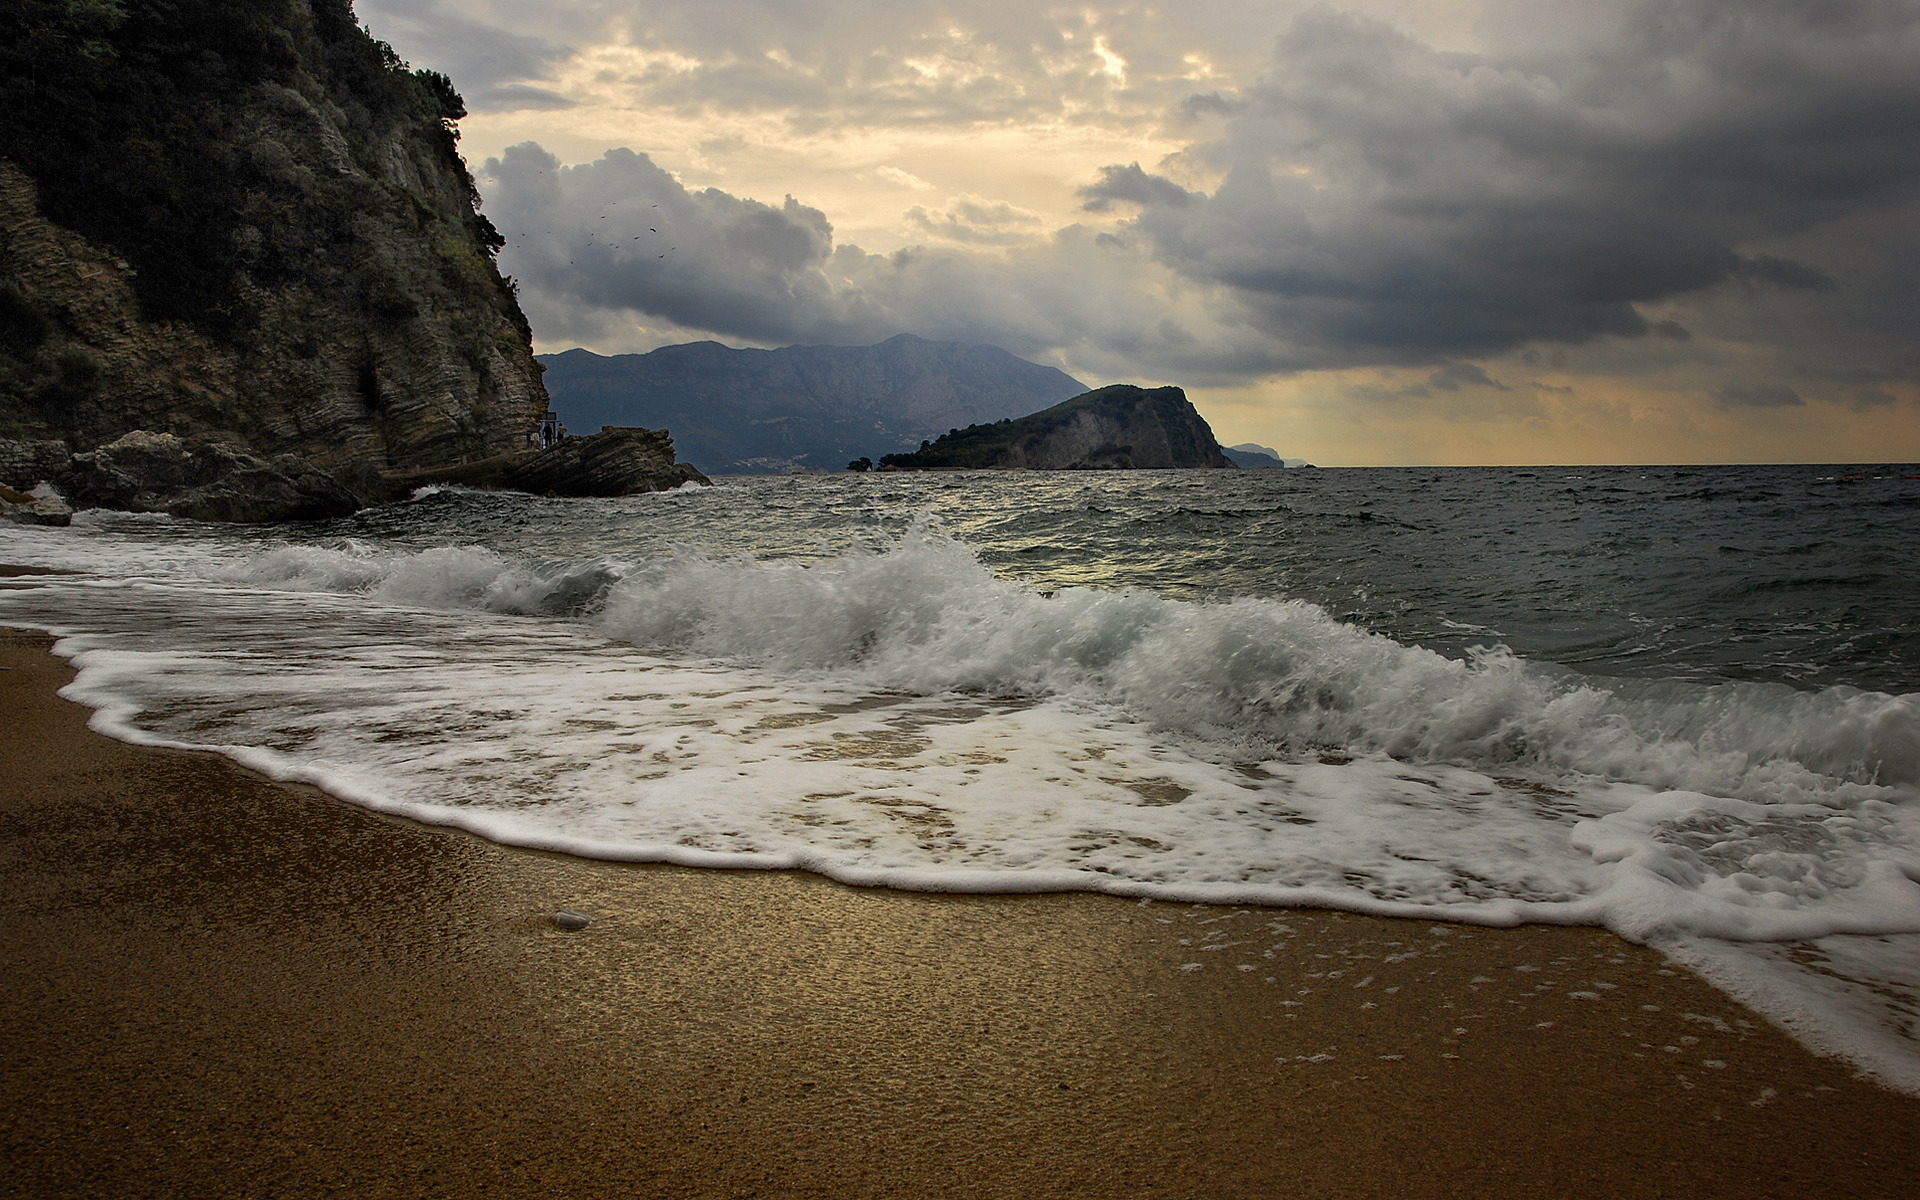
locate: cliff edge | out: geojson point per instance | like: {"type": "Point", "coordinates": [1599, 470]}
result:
{"type": "Point", "coordinates": [246, 226]}
{"type": "Point", "coordinates": [1122, 427]}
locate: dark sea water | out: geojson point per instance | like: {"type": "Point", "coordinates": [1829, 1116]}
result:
{"type": "Point", "coordinates": [1802, 575]}
{"type": "Point", "coordinates": [1682, 703]}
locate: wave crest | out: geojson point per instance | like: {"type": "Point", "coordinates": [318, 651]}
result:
{"type": "Point", "coordinates": [1252, 677]}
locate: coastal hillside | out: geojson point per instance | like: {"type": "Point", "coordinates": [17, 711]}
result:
{"type": "Point", "coordinates": [800, 407]}
{"type": "Point", "coordinates": [1122, 427]}
{"type": "Point", "coordinates": [1251, 457]}
{"type": "Point", "coordinates": [1255, 457]}
{"type": "Point", "coordinates": [246, 223]}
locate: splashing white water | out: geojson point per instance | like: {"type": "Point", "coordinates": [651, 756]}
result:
{"type": "Point", "coordinates": [898, 715]}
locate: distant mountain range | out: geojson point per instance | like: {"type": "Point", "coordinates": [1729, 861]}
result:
{"type": "Point", "coordinates": [802, 407]}
{"type": "Point", "coordinates": [1252, 456]}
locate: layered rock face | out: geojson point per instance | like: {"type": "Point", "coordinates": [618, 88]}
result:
{"type": "Point", "coordinates": [613, 462]}
{"type": "Point", "coordinates": [1122, 427]}
{"type": "Point", "coordinates": [340, 315]}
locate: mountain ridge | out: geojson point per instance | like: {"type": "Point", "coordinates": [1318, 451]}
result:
{"type": "Point", "coordinates": [800, 407]}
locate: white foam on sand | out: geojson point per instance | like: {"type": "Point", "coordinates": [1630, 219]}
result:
{"type": "Point", "coordinates": [903, 717]}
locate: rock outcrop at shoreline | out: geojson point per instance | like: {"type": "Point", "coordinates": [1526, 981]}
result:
{"type": "Point", "coordinates": [613, 462]}
{"type": "Point", "coordinates": [207, 479]}
{"type": "Point", "coordinates": [24, 508]}
{"type": "Point", "coordinates": [202, 479]}
{"type": "Point", "coordinates": [294, 283]}
{"type": "Point", "coordinates": [1122, 427]}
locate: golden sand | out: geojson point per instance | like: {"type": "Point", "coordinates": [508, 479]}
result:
{"type": "Point", "coordinates": [218, 986]}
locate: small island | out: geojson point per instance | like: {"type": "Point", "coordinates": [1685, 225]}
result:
{"type": "Point", "coordinates": [1117, 428]}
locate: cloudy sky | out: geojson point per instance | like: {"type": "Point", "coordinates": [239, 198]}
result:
{"type": "Point", "coordinates": [1377, 231]}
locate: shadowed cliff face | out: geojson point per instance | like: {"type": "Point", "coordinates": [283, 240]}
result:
{"type": "Point", "coordinates": [1114, 428]}
{"type": "Point", "coordinates": [337, 300]}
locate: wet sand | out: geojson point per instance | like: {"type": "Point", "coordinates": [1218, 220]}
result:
{"type": "Point", "coordinates": [220, 986]}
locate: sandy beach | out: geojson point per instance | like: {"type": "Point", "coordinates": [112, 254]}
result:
{"type": "Point", "coordinates": [222, 986]}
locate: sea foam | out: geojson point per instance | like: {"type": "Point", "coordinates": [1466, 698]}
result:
{"type": "Point", "coordinates": [898, 714]}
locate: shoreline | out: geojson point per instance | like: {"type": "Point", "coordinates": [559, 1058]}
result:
{"type": "Point", "coordinates": [222, 985]}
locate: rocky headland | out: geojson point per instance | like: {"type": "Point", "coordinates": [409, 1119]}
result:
{"type": "Point", "coordinates": [1122, 427]}
{"type": "Point", "coordinates": [243, 274]}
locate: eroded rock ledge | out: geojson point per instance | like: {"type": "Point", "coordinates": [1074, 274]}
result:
{"type": "Point", "coordinates": [209, 479]}
{"type": "Point", "coordinates": [204, 479]}
{"type": "Point", "coordinates": [613, 462]}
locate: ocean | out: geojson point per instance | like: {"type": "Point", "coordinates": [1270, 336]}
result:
{"type": "Point", "coordinates": [1679, 703]}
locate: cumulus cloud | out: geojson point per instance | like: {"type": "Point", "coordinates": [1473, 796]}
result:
{"type": "Point", "coordinates": [905, 179]}
{"type": "Point", "coordinates": [859, 64]}
{"type": "Point", "coordinates": [622, 233]}
{"type": "Point", "coordinates": [976, 220]}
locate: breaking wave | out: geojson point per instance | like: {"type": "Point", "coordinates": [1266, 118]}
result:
{"type": "Point", "coordinates": [1251, 677]}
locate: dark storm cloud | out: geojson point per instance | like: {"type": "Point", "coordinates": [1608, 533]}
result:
{"type": "Point", "coordinates": [1131, 185]}
{"type": "Point", "coordinates": [1691, 186]}
{"type": "Point", "coordinates": [1384, 201]}
{"type": "Point", "coordinates": [491, 66]}
{"type": "Point", "coordinates": [1454, 376]}
{"type": "Point", "coordinates": [604, 246]}
{"type": "Point", "coordinates": [621, 233]}
{"type": "Point", "coordinates": [1758, 395]}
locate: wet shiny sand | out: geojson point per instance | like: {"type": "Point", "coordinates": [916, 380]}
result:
{"type": "Point", "coordinates": [219, 986]}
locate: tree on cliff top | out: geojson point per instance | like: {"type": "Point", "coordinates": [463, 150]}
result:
{"type": "Point", "coordinates": [141, 121]}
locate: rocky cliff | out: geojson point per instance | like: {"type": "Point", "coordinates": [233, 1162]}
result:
{"type": "Point", "coordinates": [801, 407]}
{"type": "Point", "coordinates": [1122, 427]}
{"type": "Point", "coordinates": [246, 225]}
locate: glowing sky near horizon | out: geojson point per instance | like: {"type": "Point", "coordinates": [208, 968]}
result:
{"type": "Point", "coordinates": [1464, 231]}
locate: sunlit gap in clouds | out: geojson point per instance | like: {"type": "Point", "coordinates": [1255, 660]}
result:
{"type": "Point", "coordinates": [1492, 232]}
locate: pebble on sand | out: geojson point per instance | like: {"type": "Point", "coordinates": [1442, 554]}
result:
{"type": "Point", "coordinates": [570, 920]}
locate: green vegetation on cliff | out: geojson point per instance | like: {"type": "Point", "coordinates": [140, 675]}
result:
{"type": "Point", "coordinates": [137, 121]}
{"type": "Point", "coordinates": [247, 220]}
